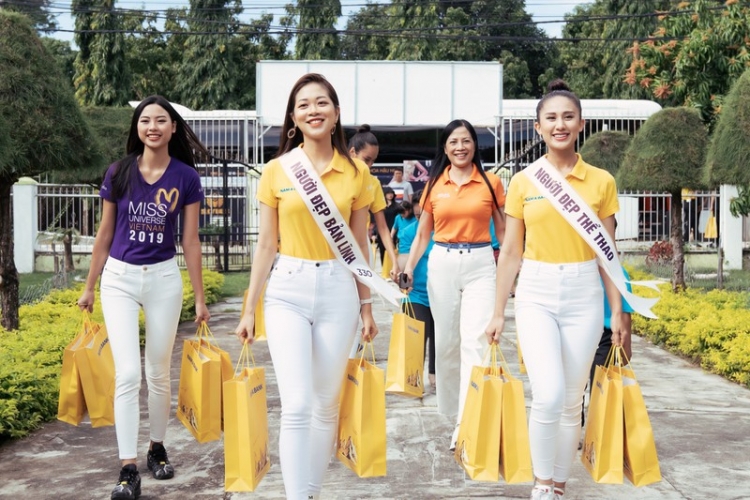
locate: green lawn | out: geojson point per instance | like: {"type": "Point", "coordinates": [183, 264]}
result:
{"type": "Point", "coordinates": [235, 283]}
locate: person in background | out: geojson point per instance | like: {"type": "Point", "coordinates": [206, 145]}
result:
{"type": "Point", "coordinates": [312, 301]}
{"type": "Point", "coordinates": [459, 200]}
{"type": "Point", "coordinates": [403, 220]}
{"type": "Point", "coordinates": [401, 187]}
{"type": "Point", "coordinates": [156, 180]}
{"type": "Point", "coordinates": [391, 210]}
{"type": "Point", "coordinates": [363, 145]}
{"type": "Point", "coordinates": [418, 294]}
{"type": "Point", "coordinates": [559, 297]}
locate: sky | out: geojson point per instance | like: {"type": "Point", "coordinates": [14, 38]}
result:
{"type": "Point", "coordinates": [541, 11]}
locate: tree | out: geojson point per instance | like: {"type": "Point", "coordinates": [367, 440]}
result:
{"type": "Point", "coordinates": [317, 37]}
{"type": "Point", "coordinates": [37, 10]}
{"type": "Point", "coordinates": [704, 50]}
{"type": "Point", "coordinates": [362, 41]}
{"type": "Point", "coordinates": [606, 149]}
{"type": "Point", "coordinates": [46, 132]}
{"type": "Point", "coordinates": [729, 152]}
{"type": "Point", "coordinates": [667, 154]}
{"type": "Point", "coordinates": [596, 69]}
{"type": "Point", "coordinates": [64, 55]}
{"type": "Point", "coordinates": [440, 30]}
{"type": "Point", "coordinates": [206, 76]}
{"type": "Point", "coordinates": [102, 77]}
{"type": "Point", "coordinates": [153, 57]}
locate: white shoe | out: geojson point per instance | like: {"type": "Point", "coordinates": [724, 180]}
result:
{"type": "Point", "coordinates": [559, 494]}
{"type": "Point", "coordinates": [542, 492]}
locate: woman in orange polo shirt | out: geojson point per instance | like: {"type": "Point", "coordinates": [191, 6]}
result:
{"type": "Point", "coordinates": [458, 202]}
{"type": "Point", "coordinates": [312, 302]}
{"type": "Point", "coordinates": [559, 305]}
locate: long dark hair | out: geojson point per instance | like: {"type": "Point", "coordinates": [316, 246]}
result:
{"type": "Point", "coordinates": [184, 145]}
{"type": "Point", "coordinates": [338, 138]}
{"type": "Point", "coordinates": [555, 88]}
{"type": "Point", "coordinates": [363, 138]}
{"type": "Point", "coordinates": [441, 161]}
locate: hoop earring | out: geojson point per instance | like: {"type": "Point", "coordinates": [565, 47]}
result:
{"type": "Point", "coordinates": [333, 130]}
{"type": "Point", "coordinates": [291, 133]}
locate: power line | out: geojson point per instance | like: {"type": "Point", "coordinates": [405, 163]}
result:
{"type": "Point", "coordinates": [235, 24]}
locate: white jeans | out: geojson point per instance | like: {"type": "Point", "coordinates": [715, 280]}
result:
{"type": "Point", "coordinates": [559, 317]}
{"type": "Point", "coordinates": [461, 288]}
{"type": "Point", "coordinates": [125, 288]}
{"type": "Point", "coordinates": [311, 309]}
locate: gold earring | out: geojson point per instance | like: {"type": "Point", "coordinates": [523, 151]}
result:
{"type": "Point", "coordinates": [291, 133]}
{"type": "Point", "coordinates": [333, 130]}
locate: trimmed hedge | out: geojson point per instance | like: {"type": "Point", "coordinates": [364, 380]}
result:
{"type": "Point", "coordinates": [711, 328]}
{"type": "Point", "coordinates": [30, 358]}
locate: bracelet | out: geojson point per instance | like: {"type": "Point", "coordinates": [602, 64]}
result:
{"type": "Point", "coordinates": [365, 301]}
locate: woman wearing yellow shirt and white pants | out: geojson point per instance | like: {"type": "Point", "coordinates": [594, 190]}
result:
{"type": "Point", "coordinates": [458, 202]}
{"type": "Point", "coordinates": [312, 302]}
{"type": "Point", "coordinates": [558, 302]}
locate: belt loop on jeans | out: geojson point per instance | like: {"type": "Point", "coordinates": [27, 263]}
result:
{"type": "Point", "coordinates": [462, 246]}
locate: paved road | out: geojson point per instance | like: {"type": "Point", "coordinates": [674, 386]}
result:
{"type": "Point", "coordinates": [701, 423]}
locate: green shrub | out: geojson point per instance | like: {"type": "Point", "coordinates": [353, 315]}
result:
{"type": "Point", "coordinates": [710, 328]}
{"type": "Point", "coordinates": [30, 358]}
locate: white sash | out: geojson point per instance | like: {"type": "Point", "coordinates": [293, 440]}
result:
{"type": "Point", "coordinates": [298, 167]}
{"type": "Point", "coordinates": [585, 221]}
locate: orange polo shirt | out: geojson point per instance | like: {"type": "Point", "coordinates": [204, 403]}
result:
{"type": "Point", "coordinates": [462, 214]}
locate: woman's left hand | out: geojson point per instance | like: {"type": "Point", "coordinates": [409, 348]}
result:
{"type": "Point", "coordinates": [369, 328]}
{"type": "Point", "coordinates": [201, 312]}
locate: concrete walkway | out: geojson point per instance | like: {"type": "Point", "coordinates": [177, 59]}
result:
{"type": "Point", "coordinates": [701, 423]}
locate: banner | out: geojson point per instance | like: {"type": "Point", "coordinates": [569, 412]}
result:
{"type": "Point", "coordinates": [586, 223]}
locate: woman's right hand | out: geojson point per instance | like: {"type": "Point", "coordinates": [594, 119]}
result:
{"type": "Point", "coordinates": [495, 329]}
{"type": "Point", "coordinates": [245, 331]}
{"type": "Point", "coordinates": [86, 302]}
{"type": "Point", "coordinates": [409, 272]}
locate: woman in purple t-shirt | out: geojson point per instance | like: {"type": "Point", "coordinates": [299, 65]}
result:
{"type": "Point", "coordinates": [134, 251]}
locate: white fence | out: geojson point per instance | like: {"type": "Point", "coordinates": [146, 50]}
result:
{"type": "Point", "coordinates": [43, 212]}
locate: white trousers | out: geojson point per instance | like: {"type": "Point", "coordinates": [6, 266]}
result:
{"type": "Point", "coordinates": [461, 288]}
{"type": "Point", "coordinates": [311, 312]}
{"type": "Point", "coordinates": [125, 289]}
{"type": "Point", "coordinates": [559, 317]}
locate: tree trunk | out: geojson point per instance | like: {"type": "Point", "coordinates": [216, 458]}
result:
{"type": "Point", "coordinates": [675, 237]}
{"type": "Point", "coordinates": [68, 252]}
{"type": "Point", "coordinates": [217, 254]}
{"type": "Point", "coordinates": [8, 271]}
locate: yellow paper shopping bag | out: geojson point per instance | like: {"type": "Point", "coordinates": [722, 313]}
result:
{"type": "Point", "coordinates": [208, 341]}
{"type": "Point", "coordinates": [478, 443]}
{"type": "Point", "coordinates": [199, 394]}
{"type": "Point", "coordinates": [96, 368]}
{"type": "Point", "coordinates": [641, 463]}
{"type": "Point", "coordinates": [521, 364]}
{"type": "Point", "coordinates": [515, 451]}
{"type": "Point", "coordinates": [603, 441]}
{"type": "Point", "coordinates": [260, 317]}
{"type": "Point", "coordinates": [71, 405]}
{"type": "Point", "coordinates": [246, 457]}
{"type": "Point", "coordinates": [405, 369]}
{"type": "Point", "coordinates": [361, 444]}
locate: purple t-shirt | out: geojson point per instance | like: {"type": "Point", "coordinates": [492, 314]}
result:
{"type": "Point", "coordinates": [146, 217]}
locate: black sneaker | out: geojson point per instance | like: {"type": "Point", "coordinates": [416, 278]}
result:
{"type": "Point", "coordinates": [158, 463]}
{"type": "Point", "coordinates": [129, 484]}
